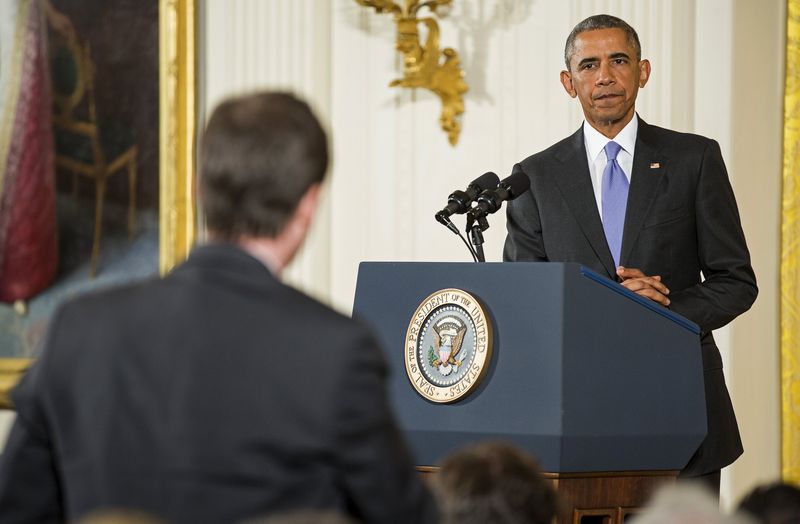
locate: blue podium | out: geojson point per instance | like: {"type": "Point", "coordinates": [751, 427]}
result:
{"type": "Point", "coordinates": [593, 380]}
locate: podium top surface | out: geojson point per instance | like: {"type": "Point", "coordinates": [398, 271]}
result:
{"type": "Point", "coordinates": [525, 266]}
{"type": "Point", "coordinates": [649, 304]}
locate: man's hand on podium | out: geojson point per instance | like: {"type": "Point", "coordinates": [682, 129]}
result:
{"type": "Point", "coordinates": [641, 284]}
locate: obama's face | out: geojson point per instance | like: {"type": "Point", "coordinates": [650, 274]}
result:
{"type": "Point", "coordinates": [605, 75]}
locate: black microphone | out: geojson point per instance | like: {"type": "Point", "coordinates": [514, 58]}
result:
{"type": "Point", "coordinates": [489, 201]}
{"type": "Point", "coordinates": [459, 201]}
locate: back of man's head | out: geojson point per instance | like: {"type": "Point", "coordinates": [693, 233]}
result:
{"type": "Point", "coordinates": [260, 154]}
{"type": "Point", "coordinates": [685, 503]}
{"type": "Point", "coordinates": [777, 503]}
{"type": "Point", "coordinates": [494, 483]}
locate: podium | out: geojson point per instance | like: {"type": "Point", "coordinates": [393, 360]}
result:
{"type": "Point", "coordinates": [602, 386]}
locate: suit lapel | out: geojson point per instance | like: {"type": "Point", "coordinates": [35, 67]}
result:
{"type": "Point", "coordinates": [648, 171]}
{"type": "Point", "coordinates": [575, 184]}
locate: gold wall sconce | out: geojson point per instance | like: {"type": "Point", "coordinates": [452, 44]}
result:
{"type": "Point", "coordinates": [423, 65]}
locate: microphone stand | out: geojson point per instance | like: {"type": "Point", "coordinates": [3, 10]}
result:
{"type": "Point", "coordinates": [476, 227]}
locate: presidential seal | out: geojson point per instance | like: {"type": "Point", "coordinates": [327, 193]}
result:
{"type": "Point", "coordinates": [448, 346]}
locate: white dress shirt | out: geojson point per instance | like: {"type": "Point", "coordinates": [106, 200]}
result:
{"type": "Point", "coordinates": [596, 155]}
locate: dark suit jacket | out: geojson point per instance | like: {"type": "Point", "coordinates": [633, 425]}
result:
{"type": "Point", "coordinates": [681, 221]}
{"type": "Point", "coordinates": [212, 395]}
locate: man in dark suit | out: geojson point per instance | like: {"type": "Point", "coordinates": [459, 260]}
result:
{"type": "Point", "coordinates": [216, 393]}
{"type": "Point", "coordinates": [646, 206]}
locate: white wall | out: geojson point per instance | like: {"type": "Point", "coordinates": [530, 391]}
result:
{"type": "Point", "coordinates": [717, 70]}
{"type": "Point", "coordinates": [6, 421]}
{"type": "Point", "coordinates": [279, 44]}
{"type": "Point", "coordinates": [757, 71]}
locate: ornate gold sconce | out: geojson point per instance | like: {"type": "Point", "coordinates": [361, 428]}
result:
{"type": "Point", "coordinates": [422, 67]}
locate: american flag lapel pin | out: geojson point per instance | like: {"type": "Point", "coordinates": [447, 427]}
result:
{"type": "Point", "coordinates": [655, 165]}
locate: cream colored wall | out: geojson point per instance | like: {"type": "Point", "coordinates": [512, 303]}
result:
{"type": "Point", "coordinates": [717, 70]}
{"type": "Point", "coordinates": [757, 60]}
{"type": "Point", "coordinates": [6, 421]}
{"type": "Point", "coordinates": [276, 44]}
{"type": "Point", "coordinates": [738, 70]}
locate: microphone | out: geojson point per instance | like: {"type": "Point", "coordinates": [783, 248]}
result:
{"type": "Point", "coordinates": [489, 201]}
{"type": "Point", "coordinates": [459, 201]}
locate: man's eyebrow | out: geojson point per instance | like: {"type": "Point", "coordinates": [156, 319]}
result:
{"type": "Point", "coordinates": [618, 55]}
{"type": "Point", "coordinates": [612, 56]}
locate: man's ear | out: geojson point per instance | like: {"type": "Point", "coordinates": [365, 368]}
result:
{"type": "Point", "coordinates": [291, 238]}
{"type": "Point", "coordinates": [644, 72]}
{"type": "Point", "coordinates": [307, 206]}
{"type": "Point", "coordinates": [566, 81]}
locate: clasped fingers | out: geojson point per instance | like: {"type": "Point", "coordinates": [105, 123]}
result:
{"type": "Point", "coordinates": [650, 287]}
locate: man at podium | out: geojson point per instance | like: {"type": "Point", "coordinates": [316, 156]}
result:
{"type": "Point", "coordinates": [648, 207]}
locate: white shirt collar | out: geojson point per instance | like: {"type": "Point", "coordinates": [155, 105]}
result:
{"type": "Point", "coordinates": [595, 141]}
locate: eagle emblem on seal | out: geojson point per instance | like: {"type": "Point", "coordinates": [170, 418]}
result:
{"type": "Point", "coordinates": [448, 336]}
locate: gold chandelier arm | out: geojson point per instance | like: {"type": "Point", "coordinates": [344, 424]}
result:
{"type": "Point", "coordinates": [427, 66]}
{"type": "Point", "coordinates": [381, 6]}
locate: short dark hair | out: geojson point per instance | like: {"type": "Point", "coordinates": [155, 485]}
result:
{"type": "Point", "coordinates": [494, 482]}
{"type": "Point", "coordinates": [260, 154]}
{"type": "Point", "coordinates": [777, 503]}
{"type": "Point", "coordinates": [601, 22]}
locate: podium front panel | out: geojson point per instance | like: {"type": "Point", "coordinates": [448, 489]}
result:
{"type": "Point", "coordinates": [577, 376]}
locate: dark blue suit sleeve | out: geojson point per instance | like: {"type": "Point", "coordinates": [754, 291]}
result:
{"type": "Point", "coordinates": [524, 241]}
{"type": "Point", "coordinates": [729, 284]}
{"type": "Point", "coordinates": [29, 484]}
{"type": "Point", "coordinates": [380, 480]}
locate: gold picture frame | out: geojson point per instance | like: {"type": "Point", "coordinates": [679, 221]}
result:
{"type": "Point", "coordinates": [790, 254]}
{"type": "Point", "coordinates": [177, 151]}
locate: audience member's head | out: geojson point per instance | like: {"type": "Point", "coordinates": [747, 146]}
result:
{"type": "Point", "coordinates": [305, 517]}
{"type": "Point", "coordinates": [493, 483]}
{"type": "Point", "coordinates": [777, 503]}
{"type": "Point", "coordinates": [686, 503]}
{"type": "Point", "coordinates": [260, 155]}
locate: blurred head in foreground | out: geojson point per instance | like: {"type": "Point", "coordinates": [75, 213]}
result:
{"type": "Point", "coordinates": [777, 503]}
{"type": "Point", "coordinates": [494, 483]}
{"type": "Point", "coordinates": [686, 503]}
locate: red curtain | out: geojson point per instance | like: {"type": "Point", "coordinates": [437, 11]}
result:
{"type": "Point", "coordinates": [28, 234]}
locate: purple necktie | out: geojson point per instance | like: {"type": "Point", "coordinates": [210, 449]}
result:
{"type": "Point", "coordinates": [615, 198]}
